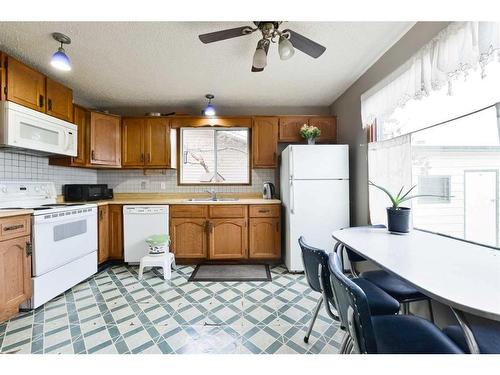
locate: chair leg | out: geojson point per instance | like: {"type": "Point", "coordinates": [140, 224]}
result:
{"type": "Point", "coordinates": [431, 311]}
{"type": "Point", "coordinates": [406, 307]}
{"type": "Point", "coordinates": [316, 311]}
{"type": "Point", "coordinates": [344, 343]}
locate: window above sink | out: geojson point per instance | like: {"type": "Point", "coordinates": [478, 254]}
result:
{"type": "Point", "coordinates": [214, 156]}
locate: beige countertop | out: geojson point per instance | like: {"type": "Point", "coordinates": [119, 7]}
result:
{"type": "Point", "coordinates": [8, 213]}
{"type": "Point", "coordinates": [183, 198]}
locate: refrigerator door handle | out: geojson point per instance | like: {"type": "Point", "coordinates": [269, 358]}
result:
{"type": "Point", "coordinates": [292, 198]}
{"type": "Point", "coordinates": [291, 163]}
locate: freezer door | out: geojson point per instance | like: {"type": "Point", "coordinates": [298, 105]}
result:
{"type": "Point", "coordinates": [307, 162]}
{"type": "Point", "coordinates": [316, 209]}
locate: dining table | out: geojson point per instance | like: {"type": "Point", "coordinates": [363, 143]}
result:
{"type": "Point", "coordinates": [460, 274]}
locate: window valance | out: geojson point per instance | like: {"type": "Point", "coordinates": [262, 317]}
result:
{"type": "Point", "coordinates": [458, 50]}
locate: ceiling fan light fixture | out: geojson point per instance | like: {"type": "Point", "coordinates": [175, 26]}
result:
{"type": "Point", "coordinates": [285, 48]}
{"type": "Point", "coordinates": [209, 109]}
{"type": "Point", "coordinates": [59, 59]}
{"type": "Point", "coordinates": [260, 56]}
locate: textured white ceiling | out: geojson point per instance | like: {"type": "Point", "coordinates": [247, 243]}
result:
{"type": "Point", "coordinates": [163, 65]}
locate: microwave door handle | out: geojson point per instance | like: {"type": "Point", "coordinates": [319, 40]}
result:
{"type": "Point", "coordinates": [66, 140]}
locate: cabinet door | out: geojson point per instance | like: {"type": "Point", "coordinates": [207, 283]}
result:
{"type": "Point", "coordinates": [265, 238]}
{"type": "Point", "coordinates": [59, 100]}
{"type": "Point", "coordinates": [157, 143]}
{"type": "Point", "coordinates": [264, 142]}
{"type": "Point", "coordinates": [115, 231]}
{"type": "Point", "coordinates": [105, 145]}
{"type": "Point", "coordinates": [133, 142]}
{"type": "Point", "coordinates": [188, 237]}
{"type": "Point", "coordinates": [15, 275]}
{"type": "Point", "coordinates": [327, 126]}
{"type": "Point", "coordinates": [290, 127]}
{"type": "Point", "coordinates": [104, 235]}
{"type": "Point", "coordinates": [81, 119]}
{"type": "Point", "coordinates": [25, 86]}
{"type": "Point", "coordinates": [228, 239]}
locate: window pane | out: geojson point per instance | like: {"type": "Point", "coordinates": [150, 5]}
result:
{"type": "Point", "coordinates": [215, 155]}
{"type": "Point", "coordinates": [198, 157]}
{"type": "Point", "coordinates": [460, 161]}
{"type": "Point", "coordinates": [232, 156]}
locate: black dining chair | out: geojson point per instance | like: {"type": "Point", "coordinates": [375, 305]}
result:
{"type": "Point", "coordinates": [389, 334]}
{"type": "Point", "coordinates": [318, 277]}
{"type": "Point", "coordinates": [397, 288]}
{"type": "Point", "coordinates": [487, 337]}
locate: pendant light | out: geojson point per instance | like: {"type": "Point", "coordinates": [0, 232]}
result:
{"type": "Point", "coordinates": [260, 55]}
{"type": "Point", "coordinates": [285, 48]}
{"type": "Point", "coordinates": [209, 109]}
{"type": "Point", "coordinates": [59, 59]}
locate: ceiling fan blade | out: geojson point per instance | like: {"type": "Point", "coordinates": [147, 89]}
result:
{"type": "Point", "coordinates": [305, 45]}
{"type": "Point", "coordinates": [225, 34]}
{"type": "Point", "coordinates": [254, 69]}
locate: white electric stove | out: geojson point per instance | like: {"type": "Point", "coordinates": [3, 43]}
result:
{"type": "Point", "coordinates": [64, 237]}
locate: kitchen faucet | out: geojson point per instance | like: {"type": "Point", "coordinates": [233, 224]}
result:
{"type": "Point", "coordinates": [213, 194]}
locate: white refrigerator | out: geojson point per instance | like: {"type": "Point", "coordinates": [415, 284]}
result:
{"type": "Point", "coordinates": [314, 183]}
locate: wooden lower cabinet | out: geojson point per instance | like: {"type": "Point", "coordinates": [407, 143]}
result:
{"type": "Point", "coordinates": [228, 239]}
{"type": "Point", "coordinates": [188, 237]}
{"type": "Point", "coordinates": [103, 234]}
{"type": "Point", "coordinates": [15, 268]}
{"type": "Point", "coordinates": [264, 238]}
{"type": "Point", "coordinates": [110, 229]}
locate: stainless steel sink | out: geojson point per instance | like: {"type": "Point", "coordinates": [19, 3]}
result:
{"type": "Point", "coordinates": [212, 200]}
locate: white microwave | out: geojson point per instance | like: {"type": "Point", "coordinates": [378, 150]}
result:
{"type": "Point", "coordinates": [27, 129]}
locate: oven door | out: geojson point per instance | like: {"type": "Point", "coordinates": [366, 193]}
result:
{"type": "Point", "coordinates": [60, 238]}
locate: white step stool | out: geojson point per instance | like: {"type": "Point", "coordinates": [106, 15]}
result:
{"type": "Point", "coordinates": [165, 261]}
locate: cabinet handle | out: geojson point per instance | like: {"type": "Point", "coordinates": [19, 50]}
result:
{"type": "Point", "coordinates": [263, 211]}
{"type": "Point", "coordinates": [92, 155]}
{"type": "Point", "coordinates": [13, 227]}
{"type": "Point", "coordinates": [29, 249]}
{"type": "Point", "coordinates": [142, 157]}
{"type": "Point", "coordinates": [49, 104]}
{"type": "Point", "coordinates": [40, 100]}
{"type": "Point", "coordinates": [149, 157]}
{"type": "Point", "coordinates": [274, 156]}
{"type": "Point", "coordinates": [100, 215]}
{"type": "Point", "coordinates": [277, 227]}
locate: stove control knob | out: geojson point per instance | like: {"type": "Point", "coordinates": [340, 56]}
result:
{"type": "Point", "coordinates": [4, 189]}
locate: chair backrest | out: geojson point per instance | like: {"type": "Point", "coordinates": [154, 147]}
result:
{"type": "Point", "coordinates": [313, 258]}
{"type": "Point", "coordinates": [352, 306]}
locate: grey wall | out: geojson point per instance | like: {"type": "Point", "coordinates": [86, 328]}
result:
{"type": "Point", "coordinates": [347, 108]}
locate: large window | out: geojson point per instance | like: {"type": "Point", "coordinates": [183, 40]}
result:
{"type": "Point", "coordinates": [214, 156]}
{"type": "Point", "coordinates": [460, 161]}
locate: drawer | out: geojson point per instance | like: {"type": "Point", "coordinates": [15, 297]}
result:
{"type": "Point", "coordinates": [227, 211]}
{"type": "Point", "coordinates": [15, 226]}
{"type": "Point", "coordinates": [265, 210]}
{"type": "Point", "coordinates": [188, 210]}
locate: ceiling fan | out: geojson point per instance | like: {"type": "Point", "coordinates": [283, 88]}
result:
{"type": "Point", "coordinates": [288, 40]}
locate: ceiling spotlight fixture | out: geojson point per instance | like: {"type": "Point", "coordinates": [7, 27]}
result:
{"type": "Point", "coordinates": [59, 59]}
{"type": "Point", "coordinates": [288, 40]}
{"type": "Point", "coordinates": [285, 48]}
{"type": "Point", "coordinates": [209, 109]}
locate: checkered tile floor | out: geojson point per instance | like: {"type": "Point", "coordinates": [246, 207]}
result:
{"type": "Point", "coordinates": [113, 312]}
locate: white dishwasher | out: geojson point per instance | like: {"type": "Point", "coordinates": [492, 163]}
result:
{"type": "Point", "coordinates": [140, 222]}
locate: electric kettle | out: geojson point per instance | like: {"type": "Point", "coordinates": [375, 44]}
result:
{"type": "Point", "coordinates": [268, 190]}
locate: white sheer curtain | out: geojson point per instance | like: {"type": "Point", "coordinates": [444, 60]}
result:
{"type": "Point", "coordinates": [389, 165]}
{"type": "Point", "coordinates": [460, 50]}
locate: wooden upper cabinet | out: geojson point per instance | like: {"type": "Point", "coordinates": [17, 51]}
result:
{"type": "Point", "coordinates": [290, 127]}
{"type": "Point", "coordinates": [228, 239]}
{"type": "Point", "coordinates": [157, 142]}
{"type": "Point", "coordinates": [265, 142]}
{"type": "Point", "coordinates": [59, 100]}
{"type": "Point", "coordinates": [133, 142]}
{"type": "Point", "coordinates": [327, 126]}
{"type": "Point", "coordinates": [3, 75]}
{"type": "Point", "coordinates": [105, 144]}
{"type": "Point", "coordinates": [25, 86]}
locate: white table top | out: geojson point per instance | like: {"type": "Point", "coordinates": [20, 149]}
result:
{"type": "Point", "coordinates": [457, 273]}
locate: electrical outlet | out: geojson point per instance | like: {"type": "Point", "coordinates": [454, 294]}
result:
{"type": "Point", "coordinates": [163, 185]}
{"type": "Point", "coordinates": [143, 185]}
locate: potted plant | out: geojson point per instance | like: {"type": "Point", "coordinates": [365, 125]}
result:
{"type": "Point", "coordinates": [310, 133]}
{"type": "Point", "coordinates": [398, 218]}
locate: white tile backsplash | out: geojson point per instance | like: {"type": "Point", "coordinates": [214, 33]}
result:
{"type": "Point", "coordinates": [134, 181]}
{"type": "Point", "coordinates": [16, 166]}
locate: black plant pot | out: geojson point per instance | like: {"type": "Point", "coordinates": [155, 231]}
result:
{"type": "Point", "coordinates": [398, 219]}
